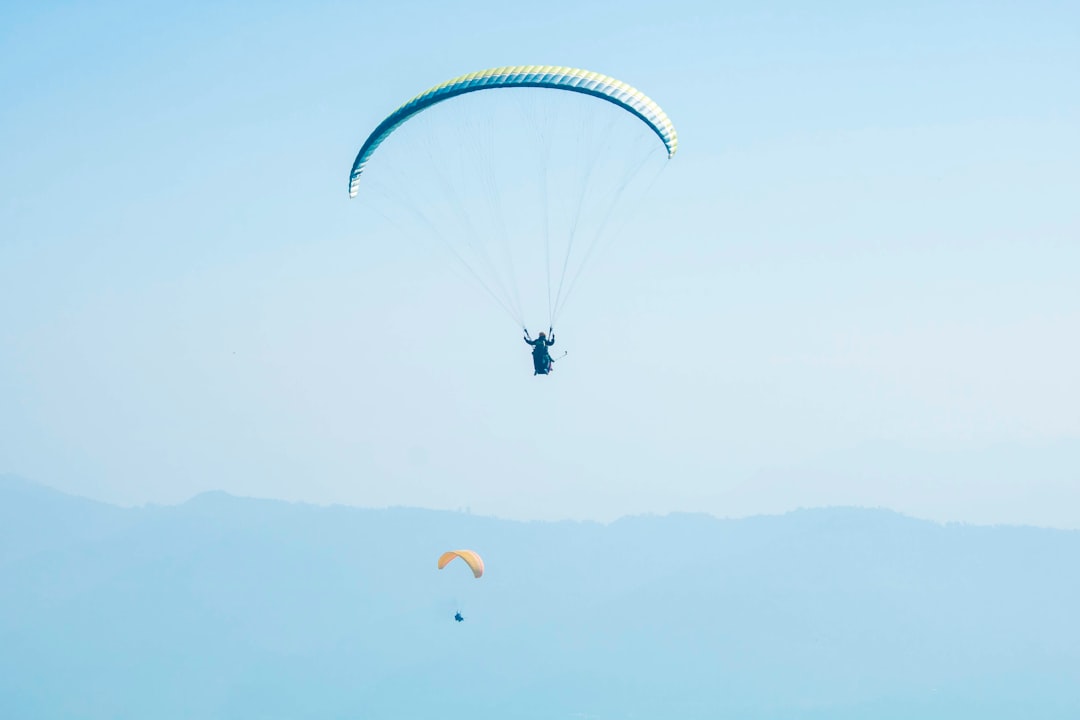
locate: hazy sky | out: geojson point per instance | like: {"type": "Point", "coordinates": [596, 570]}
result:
{"type": "Point", "coordinates": [855, 284]}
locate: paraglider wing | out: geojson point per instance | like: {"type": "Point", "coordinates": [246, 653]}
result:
{"type": "Point", "coordinates": [542, 76]}
{"type": "Point", "coordinates": [474, 561]}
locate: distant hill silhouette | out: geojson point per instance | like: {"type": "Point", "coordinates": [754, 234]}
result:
{"type": "Point", "coordinates": [228, 607]}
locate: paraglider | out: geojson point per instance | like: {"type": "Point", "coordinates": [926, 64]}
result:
{"type": "Point", "coordinates": [470, 558]}
{"type": "Point", "coordinates": [522, 203]}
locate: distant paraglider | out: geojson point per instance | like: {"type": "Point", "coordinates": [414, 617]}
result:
{"type": "Point", "coordinates": [470, 558]}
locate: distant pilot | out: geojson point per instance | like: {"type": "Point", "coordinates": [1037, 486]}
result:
{"type": "Point", "coordinates": [458, 616]}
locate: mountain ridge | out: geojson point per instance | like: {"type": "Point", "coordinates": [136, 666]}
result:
{"type": "Point", "coordinates": [225, 607]}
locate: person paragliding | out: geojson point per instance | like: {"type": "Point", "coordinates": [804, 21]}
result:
{"type": "Point", "coordinates": [470, 558]}
{"type": "Point", "coordinates": [541, 356]}
{"type": "Point", "coordinates": [607, 162]}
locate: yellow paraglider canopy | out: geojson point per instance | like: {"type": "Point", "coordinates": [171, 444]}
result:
{"type": "Point", "coordinates": [474, 561]}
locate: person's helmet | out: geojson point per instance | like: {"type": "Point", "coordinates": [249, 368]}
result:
{"type": "Point", "coordinates": [543, 334]}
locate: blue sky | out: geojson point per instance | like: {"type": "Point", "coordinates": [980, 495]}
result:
{"type": "Point", "coordinates": [855, 283]}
